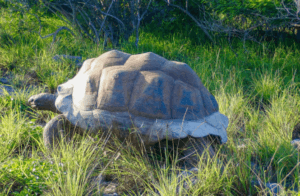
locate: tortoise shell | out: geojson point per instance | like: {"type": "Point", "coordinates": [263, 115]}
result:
{"type": "Point", "coordinates": [123, 89]}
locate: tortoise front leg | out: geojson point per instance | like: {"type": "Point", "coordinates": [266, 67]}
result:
{"type": "Point", "coordinates": [55, 130]}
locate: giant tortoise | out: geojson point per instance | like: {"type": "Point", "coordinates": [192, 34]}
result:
{"type": "Point", "coordinates": [157, 98]}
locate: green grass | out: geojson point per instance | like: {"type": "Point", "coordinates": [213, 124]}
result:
{"type": "Point", "coordinates": [258, 91]}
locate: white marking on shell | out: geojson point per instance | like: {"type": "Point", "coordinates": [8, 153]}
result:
{"type": "Point", "coordinates": [65, 88]}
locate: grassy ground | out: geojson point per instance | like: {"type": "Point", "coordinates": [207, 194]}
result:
{"type": "Point", "coordinates": [258, 91]}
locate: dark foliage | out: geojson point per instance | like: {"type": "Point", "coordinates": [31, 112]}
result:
{"type": "Point", "coordinates": [114, 21]}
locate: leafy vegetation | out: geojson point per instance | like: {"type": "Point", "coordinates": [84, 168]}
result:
{"type": "Point", "coordinates": [257, 90]}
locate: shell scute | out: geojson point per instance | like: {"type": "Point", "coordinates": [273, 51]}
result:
{"type": "Point", "coordinates": [183, 72]}
{"type": "Point", "coordinates": [187, 102]}
{"type": "Point", "coordinates": [116, 87]}
{"type": "Point", "coordinates": [81, 99]}
{"type": "Point", "coordinates": [151, 95]}
{"type": "Point", "coordinates": [111, 58]}
{"type": "Point", "coordinates": [145, 61]}
{"type": "Point", "coordinates": [86, 66]}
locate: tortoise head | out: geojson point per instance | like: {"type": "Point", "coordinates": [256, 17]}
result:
{"type": "Point", "coordinates": [43, 101]}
